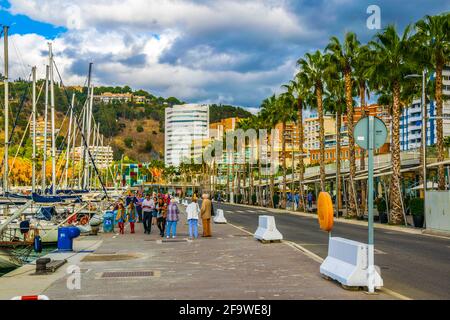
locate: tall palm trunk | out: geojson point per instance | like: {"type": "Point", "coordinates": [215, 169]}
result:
{"type": "Point", "coordinates": [351, 143]}
{"type": "Point", "coordinates": [321, 136]}
{"type": "Point", "coordinates": [396, 213]}
{"type": "Point", "coordinates": [362, 163]}
{"type": "Point", "coordinates": [338, 158]}
{"type": "Point", "coordinates": [301, 139]}
{"type": "Point", "coordinates": [260, 181]}
{"type": "Point", "coordinates": [272, 182]}
{"type": "Point", "coordinates": [439, 126]}
{"type": "Point", "coordinates": [283, 151]}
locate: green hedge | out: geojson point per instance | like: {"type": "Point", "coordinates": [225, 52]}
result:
{"type": "Point", "coordinates": [416, 205]}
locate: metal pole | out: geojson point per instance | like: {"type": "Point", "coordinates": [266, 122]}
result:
{"type": "Point", "coordinates": [69, 141]}
{"type": "Point", "coordinates": [337, 164]}
{"type": "Point", "coordinates": [424, 136]}
{"type": "Point", "coordinates": [33, 175]}
{"type": "Point", "coordinates": [52, 109]}
{"type": "Point", "coordinates": [371, 268]}
{"type": "Point", "coordinates": [44, 158]}
{"type": "Point", "coordinates": [6, 114]}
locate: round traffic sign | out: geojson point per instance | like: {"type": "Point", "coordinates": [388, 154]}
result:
{"type": "Point", "coordinates": [361, 133]}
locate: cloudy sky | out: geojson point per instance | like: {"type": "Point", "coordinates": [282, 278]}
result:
{"type": "Point", "coordinates": [221, 51]}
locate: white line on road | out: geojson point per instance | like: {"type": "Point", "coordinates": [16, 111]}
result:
{"type": "Point", "coordinates": [318, 259]}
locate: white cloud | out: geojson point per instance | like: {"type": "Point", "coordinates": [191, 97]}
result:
{"type": "Point", "coordinates": [127, 40]}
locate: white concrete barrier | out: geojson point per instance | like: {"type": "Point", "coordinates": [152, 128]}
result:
{"type": "Point", "coordinates": [219, 217]}
{"type": "Point", "coordinates": [347, 263]}
{"type": "Point", "coordinates": [267, 230]}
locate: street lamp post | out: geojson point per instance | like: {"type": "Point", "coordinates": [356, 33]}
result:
{"type": "Point", "coordinates": [424, 128]}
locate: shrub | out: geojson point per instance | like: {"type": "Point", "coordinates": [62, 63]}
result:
{"type": "Point", "coordinates": [128, 142]}
{"type": "Point", "coordinates": [381, 205]}
{"type": "Point", "coordinates": [148, 146]}
{"type": "Point", "coordinates": [416, 205]}
{"type": "Point", "coordinates": [139, 128]}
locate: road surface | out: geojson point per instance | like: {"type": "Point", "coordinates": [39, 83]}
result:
{"type": "Point", "coordinates": [417, 266]}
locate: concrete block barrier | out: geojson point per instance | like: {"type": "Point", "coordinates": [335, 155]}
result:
{"type": "Point", "coordinates": [267, 230]}
{"type": "Point", "coordinates": [347, 263]}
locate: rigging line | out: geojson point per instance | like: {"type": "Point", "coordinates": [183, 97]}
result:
{"type": "Point", "coordinates": [64, 169]}
{"type": "Point", "coordinates": [22, 103]}
{"type": "Point", "coordinates": [83, 137]}
{"type": "Point", "coordinates": [19, 56]}
{"type": "Point", "coordinates": [20, 144]}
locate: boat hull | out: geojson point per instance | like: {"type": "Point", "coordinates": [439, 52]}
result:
{"type": "Point", "coordinates": [7, 261]}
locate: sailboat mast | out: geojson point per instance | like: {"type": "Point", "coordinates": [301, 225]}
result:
{"type": "Point", "coordinates": [86, 130]}
{"type": "Point", "coordinates": [52, 108]}
{"type": "Point", "coordinates": [33, 178]}
{"type": "Point", "coordinates": [44, 158]}
{"type": "Point", "coordinates": [6, 114]}
{"type": "Point", "coordinates": [69, 141]}
{"type": "Point", "coordinates": [73, 145]}
{"type": "Point", "coordinates": [83, 149]}
{"type": "Point", "coordinates": [88, 137]}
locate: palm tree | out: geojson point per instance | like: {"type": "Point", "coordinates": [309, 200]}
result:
{"type": "Point", "coordinates": [343, 56]}
{"type": "Point", "coordinates": [335, 102]}
{"type": "Point", "coordinates": [434, 36]}
{"type": "Point", "coordinates": [247, 124]}
{"type": "Point", "coordinates": [390, 65]}
{"type": "Point", "coordinates": [303, 94]}
{"type": "Point", "coordinates": [312, 72]}
{"type": "Point", "coordinates": [268, 113]}
{"type": "Point", "coordinates": [362, 59]}
{"type": "Point", "coordinates": [260, 123]}
{"type": "Point", "coordinates": [285, 113]}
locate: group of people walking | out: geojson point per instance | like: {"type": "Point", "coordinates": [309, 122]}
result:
{"type": "Point", "coordinates": [162, 210]}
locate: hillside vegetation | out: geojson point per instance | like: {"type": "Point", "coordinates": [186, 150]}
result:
{"type": "Point", "coordinates": [135, 130]}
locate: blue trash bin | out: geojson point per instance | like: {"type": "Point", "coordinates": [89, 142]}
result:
{"type": "Point", "coordinates": [108, 221]}
{"type": "Point", "coordinates": [66, 236]}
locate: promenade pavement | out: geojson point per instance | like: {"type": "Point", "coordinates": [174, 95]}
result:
{"type": "Point", "coordinates": [230, 265]}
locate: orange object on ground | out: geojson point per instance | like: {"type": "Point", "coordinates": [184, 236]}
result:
{"type": "Point", "coordinates": [325, 211]}
{"type": "Point", "coordinates": [84, 220]}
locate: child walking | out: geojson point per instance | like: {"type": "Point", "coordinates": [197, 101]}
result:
{"type": "Point", "coordinates": [131, 216]}
{"type": "Point", "coordinates": [121, 216]}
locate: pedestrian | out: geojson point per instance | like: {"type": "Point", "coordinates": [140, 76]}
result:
{"type": "Point", "coordinates": [310, 200]}
{"type": "Point", "coordinates": [129, 198]}
{"type": "Point", "coordinates": [206, 215]}
{"type": "Point", "coordinates": [131, 215]}
{"type": "Point", "coordinates": [148, 206]}
{"type": "Point", "coordinates": [192, 211]}
{"type": "Point", "coordinates": [161, 216]}
{"type": "Point", "coordinates": [140, 198]}
{"type": "Point", "coordinates": [297, 200]}
{"type": "Point", "coordinates": [120, 218]}
{"type": "Point", "coordinates": [156, 201]}
{"type": "Point", "coordinates": [172, 219]}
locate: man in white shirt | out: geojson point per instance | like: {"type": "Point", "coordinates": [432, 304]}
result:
{"type": "Point", "coordinates": [148, 205]}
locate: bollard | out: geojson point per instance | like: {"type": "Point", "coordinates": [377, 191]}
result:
{"type": "Point", "coordinates": [41, 265]}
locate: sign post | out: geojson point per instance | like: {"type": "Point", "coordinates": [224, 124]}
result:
{"type": "Point", "coordinates": [370, 134]}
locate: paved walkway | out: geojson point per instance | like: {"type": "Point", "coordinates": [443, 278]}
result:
{"type": "Point", "coordinates": [231, 265]}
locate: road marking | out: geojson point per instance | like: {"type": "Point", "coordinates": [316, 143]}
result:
{"type": "Point", "coordinates": [378, 251]}
{"type": "Point", "coordinates": [319, 259]}
{"type": "Point", "coordinates": [307, 252]}
{"type": "Point", "coordinates": [394, 294]}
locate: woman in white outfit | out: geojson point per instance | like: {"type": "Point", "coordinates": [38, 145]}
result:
{"type": "Point", "coordinates": [193, 211]}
